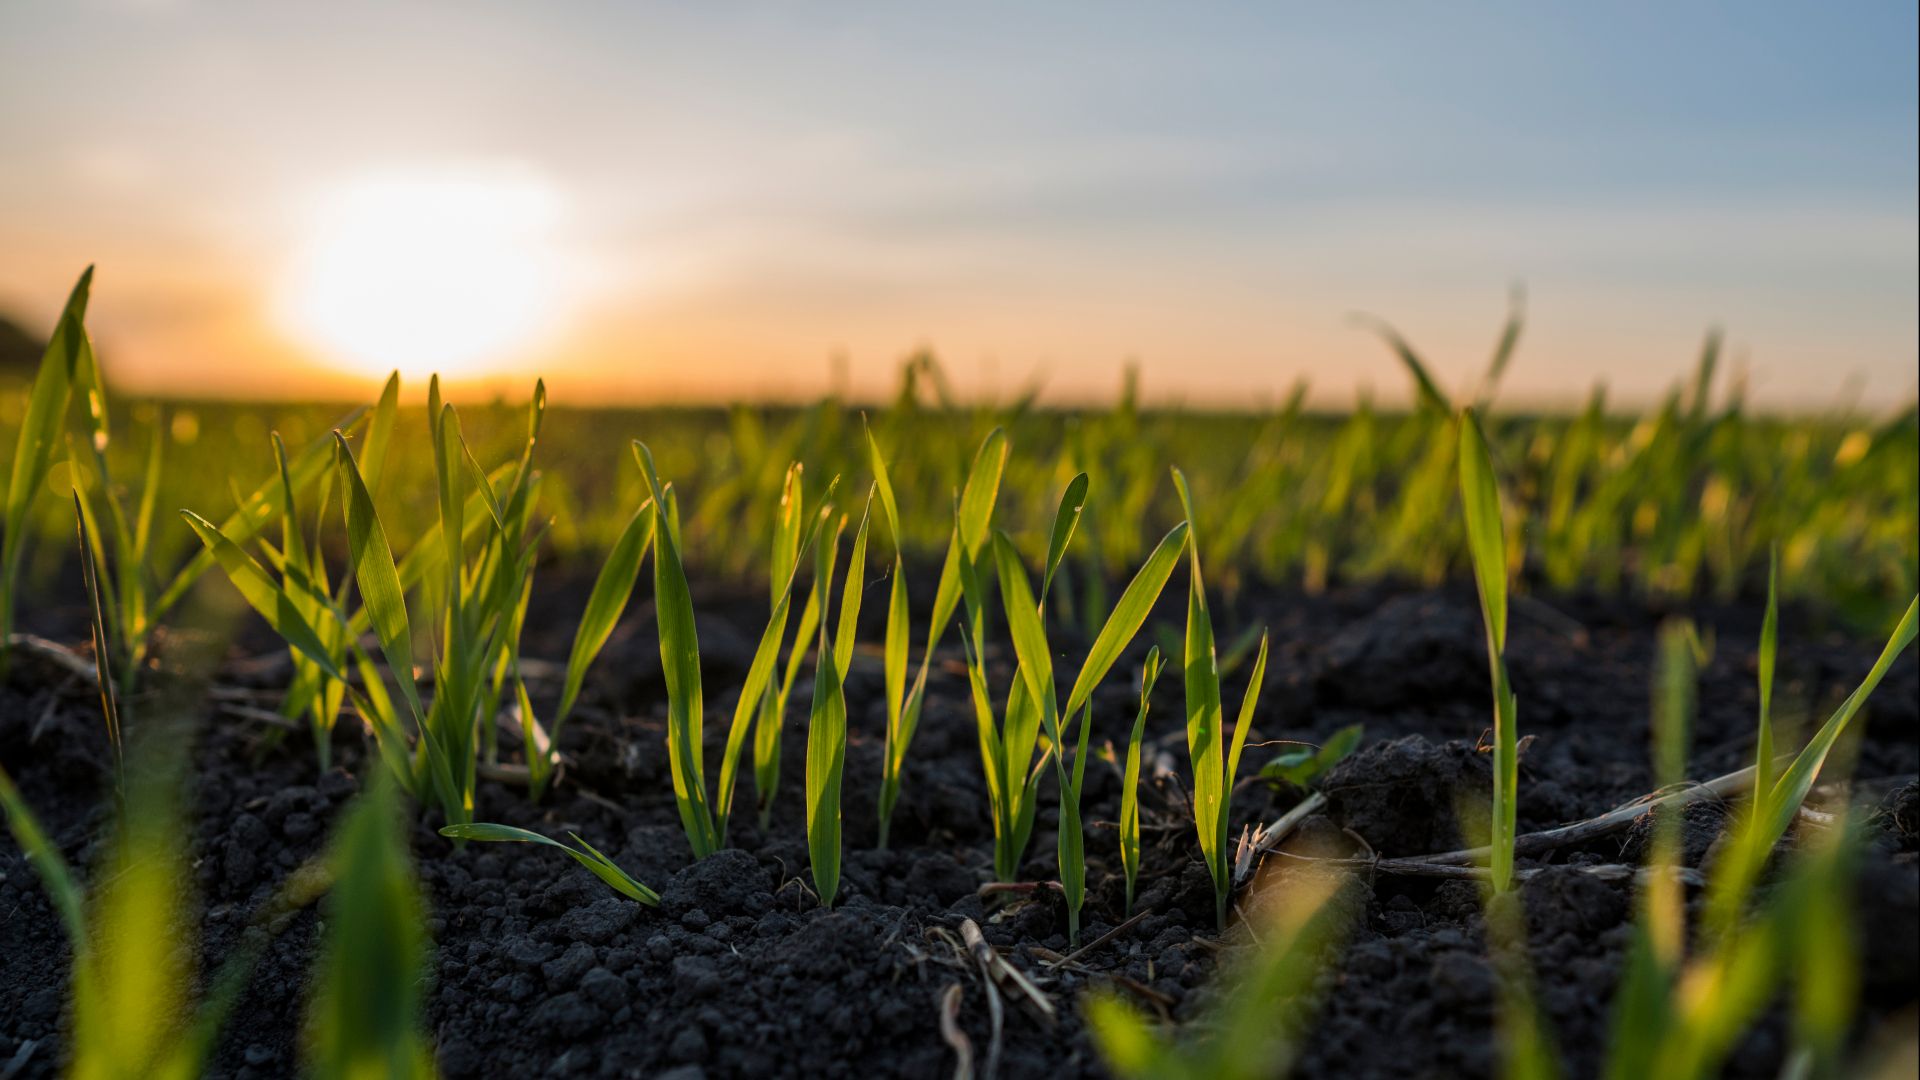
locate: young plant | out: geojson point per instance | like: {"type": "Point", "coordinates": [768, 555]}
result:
{"type": "Point", "coordinates": [102, 662]}
{"type": "Point", "coordinates": [585, 854]}
{"type": "Point", "coordinates": [772, 713]}
{"type": "Point", "coordinates": [1033, 704]}
{"type": "Point", "coordinates": [477, 609]}
{"type": "Point", "coordinates": [827, 721]}
{"type": "Point", "coordinates": [1252, 1032]}
{"type": "Point", "coordinates": [1776, 799]}
{"type": "Point", "coordinates": [1680, 1015]}
{"type": "Point", "coordinates": [979, 492]}
{"type": "Point", "coordinates": [1486, 543]}
{"type": "Point", "coordinates": [704, 820]}
{"type": "Point", "coordinates": [131, 935]}
{"type": "Point", "coordinates": [120, 535]}
{"type": "Point", "coordinates": [364, 1017]}
{"type": "Point", "coordinates": [1130, 779]}
{"type": "Point", "coordinates": [39, 436]}
{"type": "Point", "coordinates": [1307, 764]}
{"type": "Point", "coordinates": [1658, 948]}
{"type": "Point", "coordinates": [1214, 764]}
{"type": "Point", "coordinates": [312, 692]}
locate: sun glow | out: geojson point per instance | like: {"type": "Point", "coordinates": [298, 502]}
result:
{"type": "Point", "coordinates": [454, 270]}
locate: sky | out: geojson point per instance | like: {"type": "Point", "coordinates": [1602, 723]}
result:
{"type": "Point", "coordinates": [698, 202]}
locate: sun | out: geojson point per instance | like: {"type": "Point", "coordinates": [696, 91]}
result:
{"type": "Point", "coordinates": [453, 270]}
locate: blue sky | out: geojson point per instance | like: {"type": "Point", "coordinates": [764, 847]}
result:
{"type": "Point", "coordinates": [1212, 191]}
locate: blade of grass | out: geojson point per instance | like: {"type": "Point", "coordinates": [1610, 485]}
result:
{"type": "Point", "coordinates": [1486, 543]}
{"type": "Point", "coordinates": [36, 442]}
{"type": "Point", "coordinates": [1130, 779]}
{"type": "Point", "coordinates": [365, 1015]}
{"type": "Point", "coordinates": [1205, 748]}
{"type": "Point", "coordinates": [586, 855]}
{"type": "Point", "coordinates": [680, 663]}
{"type": "Point", "coordinates": [1129, 615]}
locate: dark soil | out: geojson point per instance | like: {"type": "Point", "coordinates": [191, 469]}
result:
{"type": "Point", "coordinates": [540, 970]}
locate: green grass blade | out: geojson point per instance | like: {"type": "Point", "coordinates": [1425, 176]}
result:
{"type": "Point", "coordinates": [379, 432]}
{"type": "Point", "coordinates": [55, 876]}
{"type": "Point", "coordinates": [34, 446]}
{"type": "Point", "coordinates": [149, 497]}
{"type": "Point", "coordinates": [267, 597]}
{"type": "Point", "coordinates": [851, 595]}
{"type": "Point", "coordinates": [365, 1016]}
{"type": "Point", "coordinates": [586, 855]}
{"type": "Point", "coordinates": [982, 491]}
{"type": "Point", "coordinates": [1247, 704]}
{"type": "Point", "coordinates": [1128, 616]}
{"type": "Point", "coordinates": [786, 534]}
{"type": "Point", "coordinates": [41, 424]}
{"type": "Point", "coordinates": [1486, 544]}
{"type": "Point", "coordinates": [381, 594]}
{"type": "Point", "coordinates": [1428, 392]}
{"type": "Point", "coordinates": [680, 663]}
{"type": "Point", "coordinates": [972, 519]}
{"type": "Point", "coordinates": [1768, 660]}
{"type": "Point", "coordinates": [612, 588]}
{"type": "Point", "coordinates": [758, 689]}
{"type": "Point", "coordinates": [1130, 779]}
{"type": "Point", "coordinates": [1486, 535]}
{"type": "Point", "coordinates": [460, 459]}
{"type": "Point", "coordinates": [102, 634]}
{"type": "Point", "coordinates": [255, 512]}
{"type": "Point", "coordinates": [826, 741]}
{"type": "Point", "coordinates": [1023, 622]}
{"type": "Point", "coordinates": [753, 698]}
{"type": "Point", "coordinates": [1070, 840]}
{"type": "Point", "coordinates": [1073, 502]}
{"type": "Point", "coordinates": [883, 486]}
{"type": "Point", "coordinates": [1205, 749]}
{"type": "Point", "coordinates": [1792, 787]}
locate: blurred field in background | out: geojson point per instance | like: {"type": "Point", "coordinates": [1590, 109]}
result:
{"type": "Point", "coordinates": [1678, 502]}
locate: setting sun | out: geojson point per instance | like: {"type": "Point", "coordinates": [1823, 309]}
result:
{"type": "Point", "coordinates": [453, 270]}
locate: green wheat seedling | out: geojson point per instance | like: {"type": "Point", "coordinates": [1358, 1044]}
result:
{"type": "Point", "coordinates": [364, 1019]}
{"type": "Point", "coordinates": [705, 820]}
{"type": "Point", "coordinates": [312, 692]}
{"type": "Point", "coordinates": [772, 714]}
{"type": "Point", "coordinates": [979, 493]}
{"type": "Point", "coordinates": [1214, 764]}
{"type": "Point", "coordinates": [130, 990]}
{"type": "Point", "coordinates": [579, 851]}
{"type": "Point", "coordinates": [1130, 779]}
{"type": "Point", "coordinates": [1252, 1032]}
{"type": "Point", "coordinates": [34, 446]}
{"type": "Point", "coordinates": [1033, 706]}
{"type": "Point", "coordinates": [133, 593]}
{"type": "Point", "coordinates": [827, 720]}
{"type": "Point", "coordinates": [1486, 543]}
{"type": "Point", "coordinates": [476, 609]}
{"type": "Point", "coordinates": [131, 936]}
{"type": "Point", "coordinates": [1681, 1015]}
{"type": "Point", "coordinates": [102, 656]}
{"type": "Point", "coordinates": [1777, 798]}
{"type": "Point", "coordinates": [1658, 948]}
{"type": "Point", "coordinates": [1800, 939]}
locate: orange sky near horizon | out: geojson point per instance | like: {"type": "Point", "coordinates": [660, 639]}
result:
{"type": "Point", "coordinates": [661, 205]}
